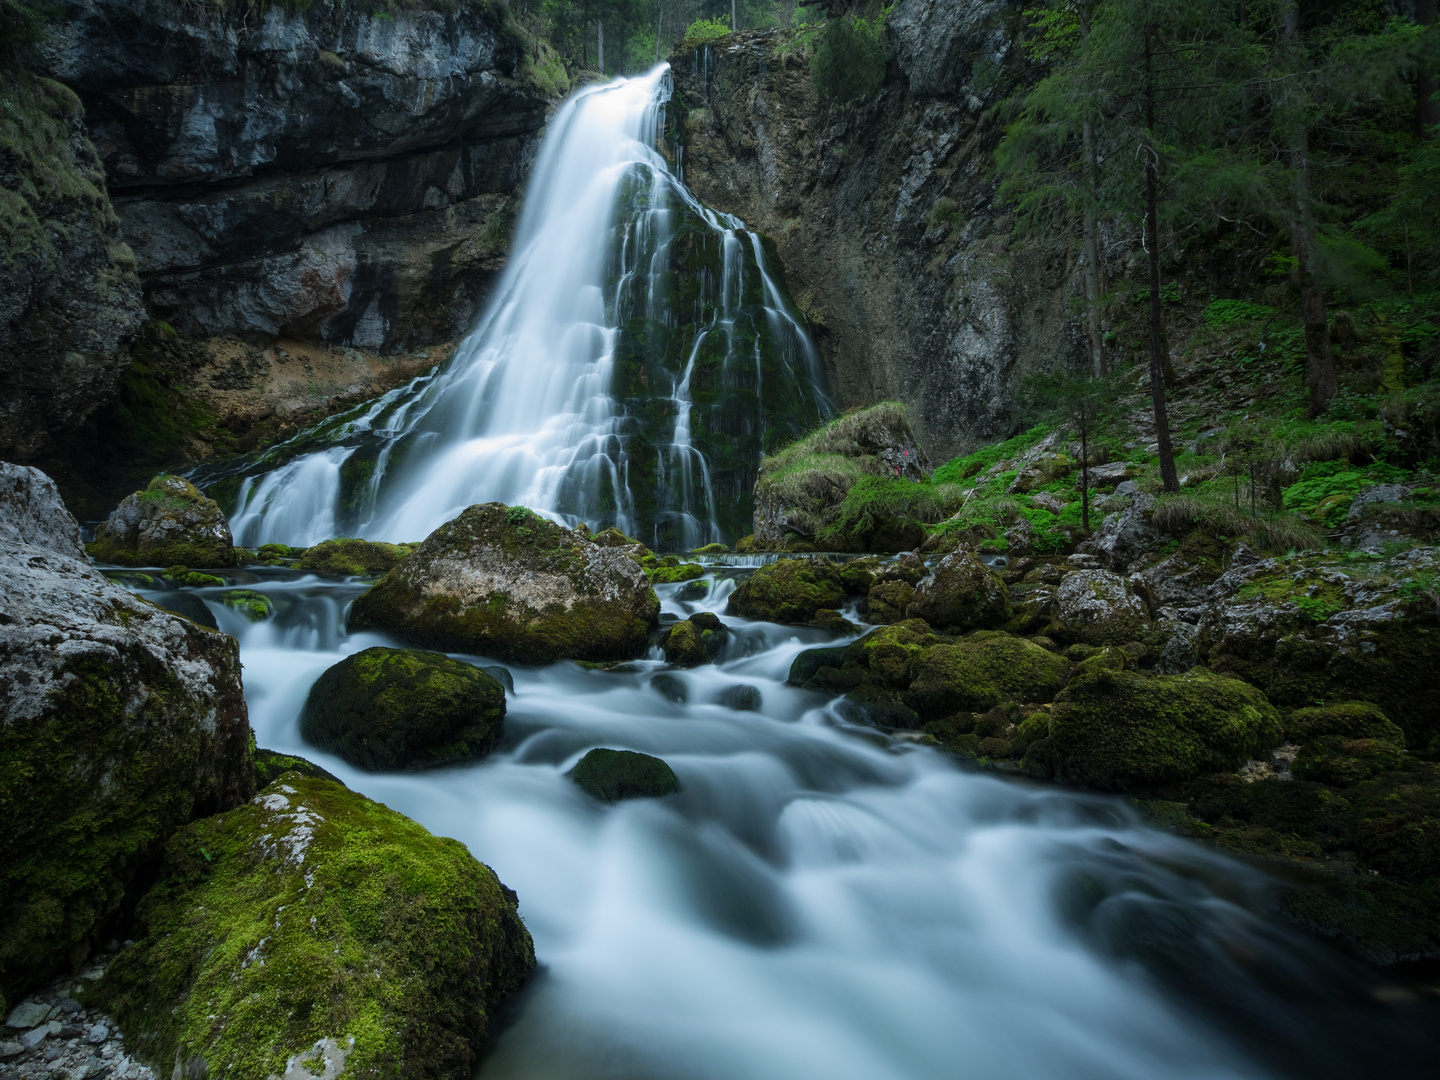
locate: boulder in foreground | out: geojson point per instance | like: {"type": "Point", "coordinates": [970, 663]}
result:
{"type": "Point", "coordinates": [316, 926]}
{"type": "Point", "coordinates": [611, 775]}
{"type": "Point", "coordinates": [403, 709]}
{"type": "Point", "coordinates": [963, 594]}
{"type": "Point", "coordinates": [122, 722]}
{"type": "Point", "coordinates": [505, 582]}
{"type": "Point", "coordinates": [788, 591]}
{"type": "Point", "coordinates": [169, 522]}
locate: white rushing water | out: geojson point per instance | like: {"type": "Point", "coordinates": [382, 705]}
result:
{"type": "Point", "coordinates": [821, 902]}
{"type": "Point", "coordinates": [523, 412]}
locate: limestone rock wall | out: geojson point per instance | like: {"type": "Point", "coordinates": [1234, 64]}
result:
{"type": "Point", "coordinates": [884, 213]}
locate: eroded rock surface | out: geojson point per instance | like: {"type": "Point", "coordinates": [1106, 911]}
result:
{"type": "Point", "coordinates": [169, 523]}
{"type": "Point", "coordinates": [119, 722]}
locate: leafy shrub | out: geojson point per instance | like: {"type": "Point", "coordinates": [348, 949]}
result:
{"type": "Point", "coordinates": [1221, 312]}
{"type": "Point", "coordinates": [849, 62]}
{"type": "Point", "coordinates": [962, 468]}
{"type": "Point", "coordinates": [702, 30]}
{"type": "Point", "coordinates": [1326, 489]}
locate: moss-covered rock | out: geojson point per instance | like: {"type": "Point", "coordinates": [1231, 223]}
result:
{"type": "Point", "coordinates": [168, 523]}
{"type": "Point", "coordinates": [402, 709]}
{"type": "Point", "coordinates": [506, 582]}
{"type": "Point", "coordinates": [1334, 759]}
{"type": "Point", "coordinates": [977, 675]}
{"type": "Point", "coordinates": [669, 570]}
{"type": "Point", "coordinates": [121, 722]}
{"type": "Point", "coordinates": [255, 606]}
{"type": "Point", "coordinates": [353, 558]}
{"type": "Point", "coordinates": [963, 594]}
{"type": "Point", "coordinates": [886, 657]}
{"type": "Point", "coordinates": [695, 641]}
{"type": "Point", "coordinates": [611, 775]}
{"type": "Point", "coordinates": [314, 915]}
{"type": "Point", "coordinates": [277, 554]}
{"type": "Point", "coordinates": [1126, 731]}
{"type": "Point", "coordinates": [1098, 608]}
{"type": "Point", "coordinates": [788, 591]}
{"type": "Point", "coordinates": [271, 764]}
{"type": "Point", "coordinates": [1348, 719]}
{"type": "Point", "coordinates": [887, 602]}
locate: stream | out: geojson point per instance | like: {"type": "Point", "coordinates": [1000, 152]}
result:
{"type": "Point", "coordinates": [826, 901]}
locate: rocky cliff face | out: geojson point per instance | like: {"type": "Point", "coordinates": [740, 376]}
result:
{"type": "Point", "coordinates": [884, 212]}
{"type": "Point", "coordinates": [69, 295]}
{"type": "Point", "coordinates": [316, 173]}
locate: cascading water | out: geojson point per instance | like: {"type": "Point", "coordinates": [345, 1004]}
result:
{"type": "Point", "coordinates": [637, 359]}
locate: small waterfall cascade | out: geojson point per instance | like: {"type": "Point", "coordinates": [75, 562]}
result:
{"type": "Point", "coordinates": [638, 358]}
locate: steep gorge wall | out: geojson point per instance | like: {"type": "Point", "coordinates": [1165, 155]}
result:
{"type": "Point", "coordinates": [335, 176]}
{"type": "Point", "coordinates": [884, 214]}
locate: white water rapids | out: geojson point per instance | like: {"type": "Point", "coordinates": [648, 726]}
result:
{"type": "Point", "coordinates": [825, 902]}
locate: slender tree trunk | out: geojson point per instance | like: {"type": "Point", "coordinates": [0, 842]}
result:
{"type": "Point", "coordinates": [1427, 109]}
{"type": "Point", "coordinates": [1152, 226]}
{"type": "Point", "coordinates": [600, 44]}
{"type": "Point", "coordinates": [1085, 477]}
{"type": "Point", "coordinates": [659, 26]}
{"type": "Point", "coordinates": [1092, 235]}
{"type": "Point", "coordinates": [734, 17]}
{"type": "Point", "coordinates": [1319, 362]}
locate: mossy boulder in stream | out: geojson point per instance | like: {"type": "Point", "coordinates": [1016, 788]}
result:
{"type": "Point", "coordinates": [403, 709]}
{"type": "Point", "coordinates": [121, 722]}
{"type": "Point", "coordinates": [611, 775]}
{"type": "Point", "coordinates": [507, 583]}
{"type": "Point", "coordinates": [168, 523]}
{"type": "Point", "coordinates": [963, 594]}
{"type": "Point", "coordinates": [788, 591]}
{"type": "Point", "coordinates": [1127, 731]}
{"type": "Point", "coordinates": [353, 558]}
{"type": "Point", "coordinates": [314, 919]}
{"type": "Point", "coordinates": [979, 673]}
{"type": "Point", "coordinates": [695, 641]}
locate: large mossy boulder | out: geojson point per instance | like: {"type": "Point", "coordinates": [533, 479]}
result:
{"type": "Point", "coordinates": [1097, 607]}
{"type": "Point", "coordinates": [1127, 731]}
{"type": "Point", "coordinates": [612, 775]}
{"type": "Point", "coordinates": [788, 591]}
{"type": "Point", "coordinates": [962, 594]}
{"type": "Point", "coordinates": [386, 709]}
{"type": "Point", "coordinates": [281, 931]}
{"type": "Point", "coordinates": [978, 674]}
{"type": "Point", "coordinates": [121, 722]}
{"type": "Point", "coordinates": [353, 558]}
{"type": "Point", "coordinates": [505, 582]}
{"type": "Point", "coordinates": [168, 523]}
{"type": "Point", "coordinates": [1347, 719]}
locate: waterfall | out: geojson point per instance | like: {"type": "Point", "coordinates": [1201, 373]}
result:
{"type": "Point", "coordinates": [637, 359]}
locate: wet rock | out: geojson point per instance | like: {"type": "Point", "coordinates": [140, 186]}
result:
{"type": "Point", "coordinates": [698, 640]}
{"type": "Point", "coordinates": [875, 707]}
{"type": "Point", "coordinates": [963, 594]}
{"type": "Point", "coordinates": [671, 687]}
{"type": "Point", "coordinates": [27, 1014]}
{"type": "Point", "coordinates": [888, 602]}
{"type": "Point", "coordinates": [384, 709]}
{"type": "Point", "coordinates": [504, 582]}
{"type": "Point", "coordinates": [978, 674]}
{"type": "Point", "coordinates": [314, 901]}
{"type": "Point", "coordinates": [612, 775]}
{"type": "Point", "coordinates": [94, 680]}
{"type": "Point", "coordinates": [353, 558]}
{"type": "Point", "coordinates": [788, 591]}
{"type": "Point", "coordinates": [1099, 608]}
{"type": "Point", "coordinates": [1127, 731]}
{"type": "Point", "coordinates": [1349, 719]}
{"type": "Point", "coordinates": [741, 698]}
{"type": "Point", "coordinates": [270, 764]}
{"type": "Point", "coordinates": [168, 523]}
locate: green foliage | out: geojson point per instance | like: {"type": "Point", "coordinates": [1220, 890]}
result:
{"type": "Point", "coordinates": [849, 61]}
{"type": "Point", "coordinates": [963, 468]}
{"type": "Point", "coordinates": [1325, 490]}
{"type": "Point", "coordinates": [1224, 312]}
{"type": "Point", "coordinates": [702, 30]}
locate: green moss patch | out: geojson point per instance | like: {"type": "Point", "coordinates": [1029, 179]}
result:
{"type": "Point", "coordinates": [402, 709]}
{"type": "Point", "coordinates": [313, 913]}
{"type": "Point", "coordinates": [788, 591]}
{"type": "Point", "coordinates": [253, 605]}
{"type": "Point", "coordinates": [353, 558]}
{"type": "Point", "coordinates": [977, 675]}
{"type": "Point", "coordinates": [611, 775]}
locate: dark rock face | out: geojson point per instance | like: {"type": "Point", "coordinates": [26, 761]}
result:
{"type": "Point", "coordinates": [401, 709]}
{"type": "Point", "coordinates": [611, 775]}
{"type": "Point", "coordinates": [69, 295]}
{"type": "Point", "coordinates": [121, 723]}
{"type": "Point", "coordinates": [317, 173]}
{"type": "Point", "coordinates": [884, 214]}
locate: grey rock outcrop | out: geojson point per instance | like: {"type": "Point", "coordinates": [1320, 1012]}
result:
{"type": "Point", "coordinates": [69, 294]}
{"type": "Point", "coordinates": [1100, 608]}
{"type": "Point", "coordinates": [120, 722]}
{"type": "Point", "coordinates": [168, 523]}
{"type": "Point", "coordinates": [321, 173]}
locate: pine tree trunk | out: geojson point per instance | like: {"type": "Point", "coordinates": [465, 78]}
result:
{"type": "Point", "coordinates": [1152, 226]}
{"type": "Point", "coordinates": [600, 43]}
{"type": "Point", "coordinates": [1085, 477]}
{"type": "Point", "coordinates": [1319, 362]}
{"type": "Point", "coordinates": [1427, 109]}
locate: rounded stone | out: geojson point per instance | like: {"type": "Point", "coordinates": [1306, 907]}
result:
{"type": "Point", "coordinates": [169, 522]}
{"type": "Point", "coordinates": [385, 709]}
{"type": "Point", "coordinates": [788, 591]}
{"type": "Point", "coordinates": [963, 593]}
{"type": "Point", "coordinates": [611, 775]}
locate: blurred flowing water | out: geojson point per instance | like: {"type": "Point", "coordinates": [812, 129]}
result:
{"type": "Point", "coordinates": [637, 359]}
{"type": "Point", "coordinates": [837, 903]}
